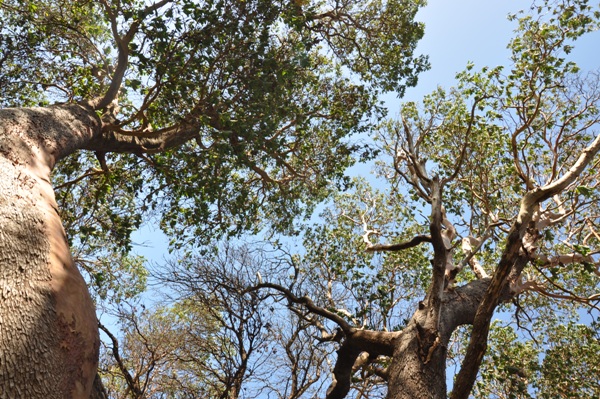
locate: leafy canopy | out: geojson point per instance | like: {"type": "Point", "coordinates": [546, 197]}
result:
{"type": "Point", "coordinates": [257, 98]}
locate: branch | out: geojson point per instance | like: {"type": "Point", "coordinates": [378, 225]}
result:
{"type": "Point", "coordinates": [533, 285]}
{"type": "Point", "coordinates": [308, 303]}
{"type": "Point", "coordinates": [91, 172]}
{"type": "Point", "coordinates": [115, 350]}
{"type": "Point", "coordinates": [356, 341]}
{"type": "Point", "coordinates": [470, 252]}
{"type": "Point", "coordinates": [549, 190]}
{"type": "Point", "coordinates": [98, 390]}
{"type": "Point", "coordinates": [463, 151]}
{"type": "Point", "coordinates": [123, 51]}
{"type": "Point", "coordinates": [342, 372]}
{"type": "Point", "coordinates": [373, 343]}
{"type": "Point", "coordinates": [564, 259]}
{"type": "Point", "coordinates": [416, 240]}
{"type": "Point", "coordinates": [529, 204]}
{"type": "Point", "coordinates": [142, 142]}
{"type": "Point", "coordinates": [440, 255]}
{"type": "Point", "coordinates": [418, 174]}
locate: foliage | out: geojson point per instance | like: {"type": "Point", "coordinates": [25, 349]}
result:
{"type": "Point", "coordinates": [161, 353]}
{"type": "Point", "coordinates": [497, 177]}
{"type": "Point", "coordinates": [100, 211]}
{"type": "Point", "coordinates": [271, 89]}
{"type": "Point", "coordinates": [257, 349]}
{"type": "Point", "coordinates": [371, 288]}
{"type": "Point", "coordinates": [499, 137]}
{"type": "Point", "coordinates": [556, 362]}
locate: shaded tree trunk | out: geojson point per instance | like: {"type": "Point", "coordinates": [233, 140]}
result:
{"type": "Point", "coordinates": [418, 368]}
{"type": "Point", "coordinates": [48, 328]}
{"type": "Point", "coordinates": [415, 372]}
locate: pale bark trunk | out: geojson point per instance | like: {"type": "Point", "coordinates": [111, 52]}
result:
{"type": "Point", "coordinates": [48, 329]}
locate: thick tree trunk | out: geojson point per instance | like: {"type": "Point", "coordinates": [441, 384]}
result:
{"type": "Point", "coordinates": [418, 368]}
{"type": "Point", "coordinates": [48, 329]}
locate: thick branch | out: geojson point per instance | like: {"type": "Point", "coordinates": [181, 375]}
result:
{"type": "Point", "coordinates": [440, 253]}
{"type": "Point", "coordinates": [148, 142]}
{"type": "Point", "coordinates": [122, 51]}
{"type": "Point", "coordinates": [342, 372]}
{"type": "Point", "coordinates": [356, 341]}
{"type": "Point", "coordinates": [461, 304]}
{"type": "Point", "coordinates": [587, 155]}
{"type": "Point", "coordinates": [98, 390]}
{"type": "Point", "coordinates": [122, 60]}
{"type": "Point", "coordinates": [530, 202]}
{"type": "Point", "coordinates": [375, 343]}
{"type": "Point", "coordinates": [400, 246]}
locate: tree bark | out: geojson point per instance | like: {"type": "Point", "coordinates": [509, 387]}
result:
{"type": "Point", "coordinates": [48, 328]}
{"type": "Point", "coordinates": [417, 371]}
{"type": "Point", "coordinates": [418, 368]}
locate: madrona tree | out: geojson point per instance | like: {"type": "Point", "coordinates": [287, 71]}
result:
{"type": "Point", "coordinates": [493, 200]}
{"type": "Point", "coordinates": [223, 114]}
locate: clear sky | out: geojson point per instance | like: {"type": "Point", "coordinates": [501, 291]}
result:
{"type": "Point", "coordinates": [460, 31]}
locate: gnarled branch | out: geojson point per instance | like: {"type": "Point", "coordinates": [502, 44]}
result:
{"type": "Point", "coordinates": [514, 242]}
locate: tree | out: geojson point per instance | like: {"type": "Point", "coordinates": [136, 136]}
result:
{"type": "Point", "coordinates": [500, 176]}
{"type": "Point", "coordinates": [213, 341]}
{"type": "Point", "coordinates": [521, 135]}
{"type": "Point", "coordinates": [222, 116]}
{"type": "Point", "coordinates": [259, 350]}
{"type": "Point", "coordinates": [162, 353]}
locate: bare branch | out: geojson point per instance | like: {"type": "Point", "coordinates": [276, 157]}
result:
{"type": "Point", "coordinates": [533, 285]}
{"type": "Point", "coordinates": [308, 303]}
{"type": "Point", "coordinates": [416, 240]}
{"type": "Point", "coordinates": [133, 386]}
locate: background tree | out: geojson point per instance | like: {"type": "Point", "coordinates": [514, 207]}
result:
{"type": "Point", "coordinates": [161, 353]}
{"type": "Point", "coordinates": [498, 140]}
{"type": "Point", "coordinates": [215, 341]}
{"type": "Point", "coordinates": [492, 201]}
{"type": "Point", "coordinates": [223, 117]}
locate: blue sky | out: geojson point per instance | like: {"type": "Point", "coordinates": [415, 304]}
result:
{"type": "Point", "coordinates": [460, 31]}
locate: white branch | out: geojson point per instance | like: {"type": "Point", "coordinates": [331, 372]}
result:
{"type": "Point", "coordinates": [467, 247]}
